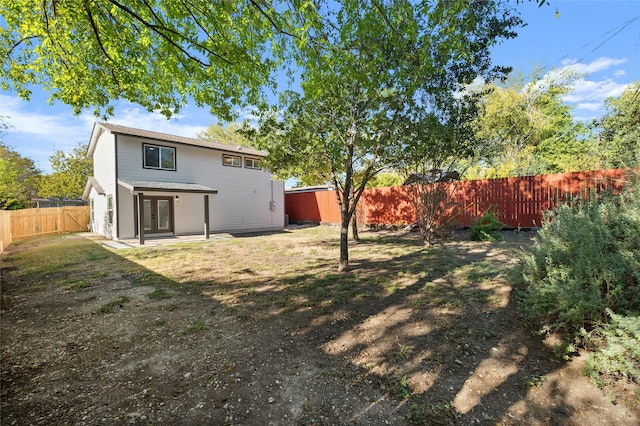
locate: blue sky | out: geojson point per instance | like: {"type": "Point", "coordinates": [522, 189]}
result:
{"type": "Point", "coordinates": [598, 39]}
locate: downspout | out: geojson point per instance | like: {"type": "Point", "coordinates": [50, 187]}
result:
{"type": "Point", "coordinates": [117, 198]}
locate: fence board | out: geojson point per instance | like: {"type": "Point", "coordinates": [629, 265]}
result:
{"type": "Point", "coordinates": [5, 229]}
{"type": "Point", "coordinates": [517, 201]}
{"type": "Point", "coordinates": [20, 224]}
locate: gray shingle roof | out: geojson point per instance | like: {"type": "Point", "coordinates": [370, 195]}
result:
{"type": "Point", "coordinates": [131, 131]}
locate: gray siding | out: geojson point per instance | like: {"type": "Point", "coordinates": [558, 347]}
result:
{"type": "Point", "coordinates": [104, 171]}
{"type": "Point", "coordinates": [242, 202]}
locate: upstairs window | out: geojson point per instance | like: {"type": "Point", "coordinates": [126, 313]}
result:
{"type": "Point", "coordinates": [159, 157]}
{"type": "Point", "coordinates": [232, 160]}
{"type": "Point", "coordinates": [252, 163]}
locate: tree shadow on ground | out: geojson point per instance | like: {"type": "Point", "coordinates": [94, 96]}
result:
{"type": "Point", "coordinates": [409, 334]}
{"type": "Point", "coordinates": [437, 329]}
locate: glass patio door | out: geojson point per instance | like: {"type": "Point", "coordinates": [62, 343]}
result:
{"type": "Point", "coordinates": [158, 213]}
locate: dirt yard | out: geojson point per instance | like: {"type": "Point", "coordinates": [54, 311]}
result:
{"type": "Point", "coordinates": [261, 330]}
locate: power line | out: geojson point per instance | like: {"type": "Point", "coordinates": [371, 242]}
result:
{"type": "Point", "coordinates": [615, 32]}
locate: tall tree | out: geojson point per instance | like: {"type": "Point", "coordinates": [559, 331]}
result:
{"type": "Point", "coordinates": [70, 173]}
{"type": "Point", "coordinates": [620, 129]}
{"type": "Point", "coordinates": [230, 135]}
{"type": "Point", "coordinates": [158, 54]}
{"type": "Point", "coordinates": [528, 129]}
{"type": "Point", "coordinates": [18, 179]}
{"type": "Point", "coordinates": [434, 153]}
{"type": "Point", "coordinates": [372, 66]}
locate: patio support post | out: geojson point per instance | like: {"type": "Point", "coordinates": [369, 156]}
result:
{"type": "Point", "coordinates": [140, 218]}
{"type": "Point", "coordinates": [206, 217]}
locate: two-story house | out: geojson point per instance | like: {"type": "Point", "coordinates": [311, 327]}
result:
{"type": "Point", "coordinates": [148, 184]}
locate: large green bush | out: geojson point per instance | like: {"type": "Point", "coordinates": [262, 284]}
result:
{"type": "Point", "coordinates": [586, 261]}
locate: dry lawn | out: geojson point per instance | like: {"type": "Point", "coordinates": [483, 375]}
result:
{"type": "Point", "coordinates": [261, 329]}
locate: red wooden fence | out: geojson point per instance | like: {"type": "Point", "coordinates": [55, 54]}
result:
{"type": "Point", "coordinates": [517, 201]}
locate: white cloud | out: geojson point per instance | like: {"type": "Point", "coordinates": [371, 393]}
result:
{"type": "Point", "coordinates": [600, 64]}
{"type": "Point", "coordinates": [589, 106]}
{"type": "Point", "coordinates": [36, 133]}
{"type": "Point", "coordinates": [589, 90]}
{"type": "Point", "coordinates": [35, 123]}
{"type": "Point", "coordinates": [37, 130]}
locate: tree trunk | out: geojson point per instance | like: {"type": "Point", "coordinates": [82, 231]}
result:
{"type": "Point", "coordinates": [354, 227]}
{"type": "Point", "coordinates": [344, 240]}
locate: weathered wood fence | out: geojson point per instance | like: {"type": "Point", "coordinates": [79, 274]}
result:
{"type": "Point", "coordinates": [517, 201]}
{"type": "Point", "coordinates": [19, 224]}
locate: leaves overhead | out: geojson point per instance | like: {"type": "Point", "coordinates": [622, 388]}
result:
{"type": "Point", "coordinates": [158, 54]}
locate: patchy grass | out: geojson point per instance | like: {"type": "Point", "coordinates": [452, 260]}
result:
{"type": "Point", "coordinates": [194, 327]}
{"type": "Point", "coordinates": [110, 307]}
{"type": "Point", "coordinates": [159, 294]}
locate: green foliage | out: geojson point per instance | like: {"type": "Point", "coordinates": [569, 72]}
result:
{"type": "Point", "coordinates": [386, 179]}
{"type": "Point", "coordinates": [618, 355]}
{"type": "Point", "coordinates": [158, 54]}
{"type": "Point", "coordinates": [18, 179]}
{"type": "Point", "coordinates": [528, 129]}
{"type": "Point", "coordinates": [373, 70]}
{"type": "Point", "coordinates": [587, 260]}
{"type": "Point", "coordinates": [621, 129]}
{"type": "Point", "coordinates": [487, 227]}
{"type": "Point", "coordinates": [70, 173]}
{"type": "Point", "coordinates": [533, 380]}
{"type": "Point", "coordinates": [229, 135]}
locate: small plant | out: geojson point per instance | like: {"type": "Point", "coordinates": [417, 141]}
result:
{"type": "Point", "coordinates": [398, 387]}
{"type": "Point", "coordinates": [194, 327]}
{"type": "Point", "coordinates": [434, 358]}
{"type": "Point", "coordinates": [534, 380]}
{"type": "Point", "coordinates": [110, 307]}
{"type": "Point", "coordinates": [159, 294]}
{"type": "Point", "coordinates": [441, 413]}
{"type": "Point", "coordinates": [486, 228]}
{"type": "Point", "coordinates": [404, 352]}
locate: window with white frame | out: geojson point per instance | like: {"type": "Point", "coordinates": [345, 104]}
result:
{"type": "Point", "coordinates": [252, 163]}
{"type": "Point", "coordinates": [92, 210]}
{"type": "Point", "coordinates": [110, 209]}
{"type": "Point", "coordinates": [159, 157]}
{"type": "Point", "coordinates": [232, 160]}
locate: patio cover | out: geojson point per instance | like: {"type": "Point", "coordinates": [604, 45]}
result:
{"type": "Point", "coordinates": [154, 186]}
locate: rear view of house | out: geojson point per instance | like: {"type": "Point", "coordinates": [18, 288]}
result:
{"type": "Point", "coordinates": [148, 184]}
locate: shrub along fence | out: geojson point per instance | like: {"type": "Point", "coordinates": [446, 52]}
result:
{"type": "Point", "coordinates": [19, 224]}
{"type": "Point", "coordinates": [517, 201]}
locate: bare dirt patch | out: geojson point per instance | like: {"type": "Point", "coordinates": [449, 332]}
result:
{"type": "Point", "coordinates": [261, 330]}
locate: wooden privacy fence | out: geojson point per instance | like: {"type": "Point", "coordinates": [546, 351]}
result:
{"type": "Point", "coordinates": [517, 201]}
{"type": "Point", "coordinates": [19, 224]}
